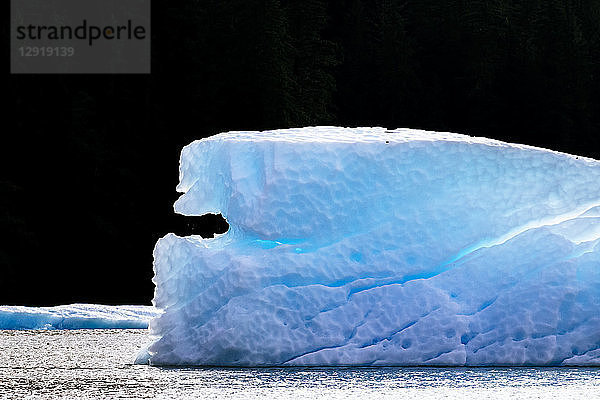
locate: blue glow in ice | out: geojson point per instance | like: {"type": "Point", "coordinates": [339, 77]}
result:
{"type": "Point", "coordinates": [416, 248]}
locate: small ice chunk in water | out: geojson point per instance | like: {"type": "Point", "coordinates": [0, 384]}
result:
{"type": "Point", "coordinates": [76, 316]}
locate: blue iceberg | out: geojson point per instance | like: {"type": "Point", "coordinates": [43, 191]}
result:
{"type": "Point", "coordinates": [76, 316]}
{"type": "Point", "coordinates": [365, 246]}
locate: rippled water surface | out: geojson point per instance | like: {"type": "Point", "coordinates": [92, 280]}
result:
{"type": "Point", "coordinates": [96, 364]}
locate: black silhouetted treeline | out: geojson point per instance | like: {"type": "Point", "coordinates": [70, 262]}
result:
{"type": "Point", "coordinates": [89, 162]}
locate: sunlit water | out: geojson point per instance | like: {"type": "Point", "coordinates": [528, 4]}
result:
{"type": "Point", "coordinates": [96, 364]}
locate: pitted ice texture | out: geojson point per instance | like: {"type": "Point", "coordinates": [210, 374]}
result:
{"type": "Point", "coordinates": [365, 246]}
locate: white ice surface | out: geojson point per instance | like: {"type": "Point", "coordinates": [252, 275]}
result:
{"type": "Point", "coordinates": [76, 316]}
{"type": "Point", "coordinates": [373, 247]}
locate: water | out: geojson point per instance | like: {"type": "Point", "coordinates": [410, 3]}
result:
{"type": "Point", "coordinates": [96, 364]}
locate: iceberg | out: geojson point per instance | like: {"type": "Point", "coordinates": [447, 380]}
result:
{"type": "Point", "coordinates": [76, 316]}
{"type": "Point", "coordinates": [368, 246]}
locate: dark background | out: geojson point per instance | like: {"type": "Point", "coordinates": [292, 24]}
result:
{"type": "Point", "coordinates": [90, 162]}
